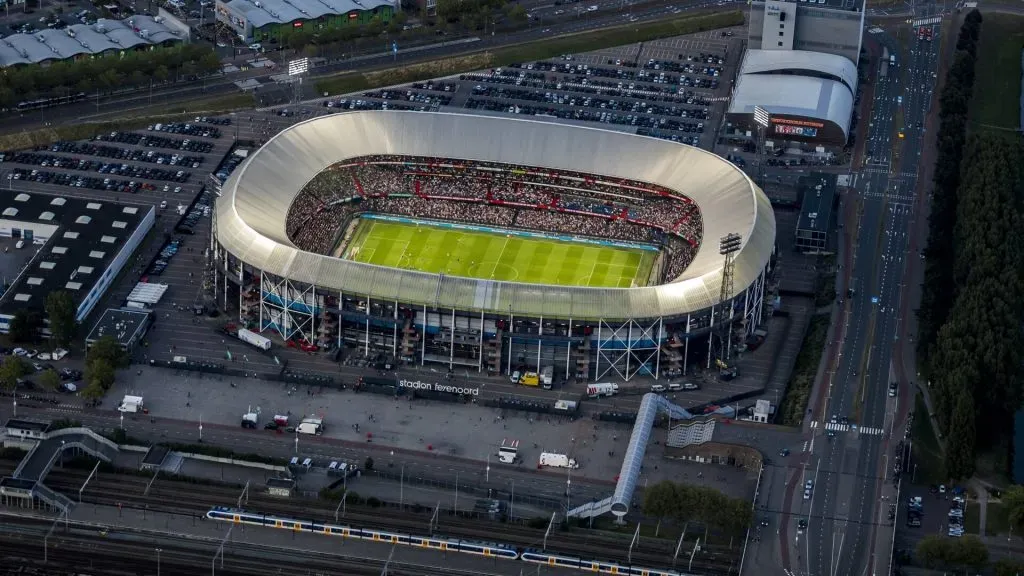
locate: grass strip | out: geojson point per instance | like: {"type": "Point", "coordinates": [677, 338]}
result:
{"type": "Point", "coordinates": [538, 50]}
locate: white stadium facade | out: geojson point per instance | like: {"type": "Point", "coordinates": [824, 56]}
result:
{"type": "Point", "coordinates": [488, 325]}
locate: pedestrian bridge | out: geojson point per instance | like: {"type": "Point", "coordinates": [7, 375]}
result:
{"type": "Point", "coordinates": [619, 502]}
{"type": "Point", "coordinates": [41, 458]}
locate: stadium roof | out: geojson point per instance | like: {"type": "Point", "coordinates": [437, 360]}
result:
{"type": "Point", "coordinates": [262, 12]}
{"type": "Point", "coordinates": [255, 200]}
{"type": "Point", "coordinates": [775, 61]}
{"type": "Point", "coordinates": [80, 39]}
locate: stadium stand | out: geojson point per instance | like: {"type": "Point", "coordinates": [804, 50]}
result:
{"type": "Point", "coordinates": [495, 195]}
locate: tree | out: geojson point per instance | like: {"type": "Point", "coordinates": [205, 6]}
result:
{"type": "Point", "coordinates": [60, 310]}
{"type": "Point", "coordinates": [93, 392]}
{"type": "Point", "coordinates": [99, 373]}
{"type": "Point", "coordinates": [49, 380]}
{"type": "Point", "coordinates": [25, 326]}
{"type": "Point", "coordinates": [970, 551]}
{"type": "Point", "coordinates": [108, 350]}
{"type": "Point", "coordinates": [11, 369]}
{"type": "Point", "coordinates": [1013, 499]}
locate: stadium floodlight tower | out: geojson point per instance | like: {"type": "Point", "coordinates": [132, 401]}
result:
{"type": "Point", "coordinates": [728, 246]}
{"type": "Point", "coordinates": [297, 69]}
{"type": "Point", "coordinates": [763, 119]}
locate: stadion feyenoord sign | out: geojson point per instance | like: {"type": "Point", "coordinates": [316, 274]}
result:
{"type": "Point", "coordinates": [446, 388]}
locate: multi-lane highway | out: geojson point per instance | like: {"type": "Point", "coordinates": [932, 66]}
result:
{"type": "Point", "coordinates": [848, 468]}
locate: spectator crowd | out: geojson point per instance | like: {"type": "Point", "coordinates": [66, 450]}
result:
{"type": "Point", "coordinates": [497, 195]}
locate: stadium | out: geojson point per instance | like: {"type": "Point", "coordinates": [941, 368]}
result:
{"type": "Point", "coordinates": [497, 244]}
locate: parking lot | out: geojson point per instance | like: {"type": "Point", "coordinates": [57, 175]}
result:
{"type": "Point", "coordinates": [671, 89]}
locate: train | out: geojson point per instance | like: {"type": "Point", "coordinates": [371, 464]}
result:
{"type": "Point", "coordinates": [487, 549]}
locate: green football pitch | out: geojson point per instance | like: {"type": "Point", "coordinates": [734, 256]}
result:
{"type": "Point", "coordinates": [493, 256]}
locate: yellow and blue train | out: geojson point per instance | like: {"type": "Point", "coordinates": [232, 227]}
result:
{"type": "Point", "coordinates": [487, 549]}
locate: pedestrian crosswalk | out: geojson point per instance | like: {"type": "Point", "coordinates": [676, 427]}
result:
{"type": "Point", "coordinates": [839, 427]}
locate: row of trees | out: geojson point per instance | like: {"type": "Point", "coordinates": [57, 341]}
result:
{"type": "Point", "coordinates": [968, 552]}
{"type": "Point", "coordinates": [976, 364]}
{"type": "Point", "coordinates": [970, 334]}
{"type": "Point", "coordinates": [104, 357]}
{"type": "Point", "coordinates": [132, 69]}
{"type": "Point", "coordinates": [937, 291]}
{"type": "Point", "coordinates": [707, 506]}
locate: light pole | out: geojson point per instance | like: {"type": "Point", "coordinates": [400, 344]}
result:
{"type": "Point", "coordinates": [200, 427]}
{"type": "Point", "coordinates": [158, 551]}
{"type": "Point", "coordinates": [763, 120]}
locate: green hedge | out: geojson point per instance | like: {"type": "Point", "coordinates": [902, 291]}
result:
{"type": "Point", "coordinates": [798, 392]}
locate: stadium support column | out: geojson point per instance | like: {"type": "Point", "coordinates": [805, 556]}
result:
{"type": "Point", "coordinates": [597, 359]}
{"type": "Point", "coordinates": [568, 349]}
{"type": "Point", "coordinates": [540, 332]}
{"type": "Point", "coordinates": [394, 332]}
{"type": "Point", "coordinates": [341, 307]}
{"type": "Point", "coordinates": [657, 359]}
{"type": "Point", "coordinates": [686, 346]}
{"type": "Point", "coordinates": [711, 336]}
{"type": "Point", "coordinates": [451, 348]}
{"type": "Point", "coordinates": [480, 351]}
{"type": "Point", "coordinates": [423, 341]}
{"type": "Point", "coordinates": [763, 119]}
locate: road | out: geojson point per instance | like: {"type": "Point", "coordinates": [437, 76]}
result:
{"type": "Point", "coordinates": [849, 468]}
{"type": "Point", "coordinates": [611, 13]}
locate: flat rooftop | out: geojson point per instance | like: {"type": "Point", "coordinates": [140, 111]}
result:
{"type": "Point", "coordinates": [819, 193]}
{"type": "Point", "coordinates": [155, 456]}
{"type": "Point", "coordinates": [123, 324]}
{"type": "Point", "coordinates": [851, 5]}
{"type": "Point", "coordinates": [82, 237]}
{"type": "Point", "coordinates": [33, 425]}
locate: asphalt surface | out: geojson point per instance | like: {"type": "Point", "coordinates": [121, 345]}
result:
{"type": "Point", "coordinates": [850, 468]}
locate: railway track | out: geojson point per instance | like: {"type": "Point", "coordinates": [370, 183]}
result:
{"type": "Point", "coordinates": [86, 549]}
{"type": "Point", "coordinates": [193, 500]}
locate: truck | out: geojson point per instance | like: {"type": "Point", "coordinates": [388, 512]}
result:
{"type": "Point", "coordinates": [557, 461]}
{"type": "Point", "coordinates": [565, 405]}
{"type": "Point", "coordinates": [249, 420]}
{"type": "Point", "coordinates": [131, 404]}
{"type": "Point", "coordinates": [546, 376]}
{"type": "Point", "coordinates": [250, 337]}
{"type": "Point", "coordinates": [530, 379]}
{"type": "Point", "coordinates": [508, 453]}
{"type": "Point", "coordinates": [607, 389]}
{"type": "Point", "coordinates": [313, 426]}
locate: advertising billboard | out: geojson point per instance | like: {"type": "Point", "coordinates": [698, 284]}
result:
{"type": "Point", "coordinates": [787, 130]}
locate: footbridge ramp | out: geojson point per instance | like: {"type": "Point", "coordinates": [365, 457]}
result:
{"type": "Point", "coordinates": [41, 458]}
{"type": "Point", "coordinates": [618, 503]}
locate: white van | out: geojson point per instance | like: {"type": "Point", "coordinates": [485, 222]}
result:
{"type": "Point", "coordinates": [675, 386]}
{"type": "Point", "coordinates": [658, 388]}
{"type": "Point", "coordinates": [20, 244]}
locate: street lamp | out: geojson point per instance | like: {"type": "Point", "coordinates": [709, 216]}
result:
{"type": "Point", "coordinates": [763, 119]}
{"type": "Point", "coordinates": [158, 551]}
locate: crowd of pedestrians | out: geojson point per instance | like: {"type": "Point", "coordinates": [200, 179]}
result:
{"type": "Point", "coordinates": [496, 195]}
